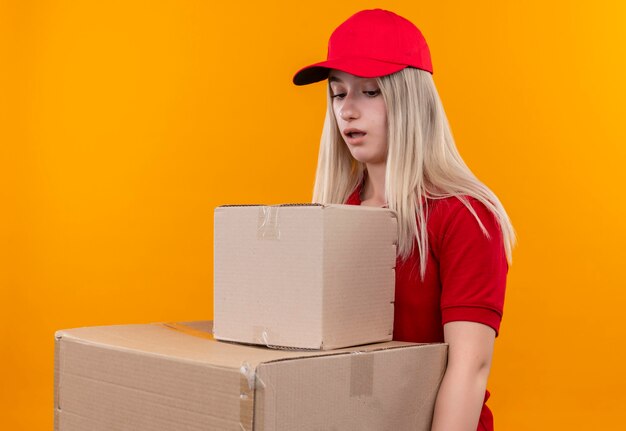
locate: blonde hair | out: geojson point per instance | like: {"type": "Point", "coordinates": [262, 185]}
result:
{"type": "Point", "coordinates": [422, 162]}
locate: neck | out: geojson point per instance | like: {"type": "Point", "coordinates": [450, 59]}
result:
{"type": "Point", "coordinates": [374, 190]}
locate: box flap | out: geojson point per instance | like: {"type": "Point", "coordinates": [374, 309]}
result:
{"type": "Point", "coordinates": [378, 390]}
{"type": "Point", "coordinates": [195, 344]}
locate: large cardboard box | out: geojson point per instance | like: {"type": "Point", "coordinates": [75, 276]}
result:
{"type": "Point", "coordinates": [175, 377]}
{"type": "Point", "coordinates": [304, 276]}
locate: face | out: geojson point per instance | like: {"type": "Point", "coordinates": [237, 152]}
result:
{"type": "Point", "coordinates": [361, 115]}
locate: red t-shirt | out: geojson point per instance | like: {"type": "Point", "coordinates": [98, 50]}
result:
{"type": "Point", "coordinates": [465, 277]}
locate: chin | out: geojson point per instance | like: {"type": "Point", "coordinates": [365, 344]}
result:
{"type": "Point", "coordinates": [367, 159]}
{"type": "Point", "coordinates": [365, 155]}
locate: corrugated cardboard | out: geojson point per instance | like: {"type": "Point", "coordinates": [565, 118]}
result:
{"type": "Point", "coordinates": [304, 276]}
{"type": "Point", "coordinates": [174, 377]}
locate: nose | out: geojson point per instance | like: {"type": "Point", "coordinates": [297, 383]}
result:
{"type": "Point", "coordinates": [349, 110]}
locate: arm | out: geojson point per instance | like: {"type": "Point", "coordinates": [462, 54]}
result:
{"type": "Point", "coordinates": [462, 391]}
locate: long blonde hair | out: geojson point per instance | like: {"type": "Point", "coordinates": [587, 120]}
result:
{"type": "Point", "coordinates": [422, 162]}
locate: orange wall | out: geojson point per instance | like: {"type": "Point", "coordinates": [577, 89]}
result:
{"type": "Point", "coordinates": [123, 124]}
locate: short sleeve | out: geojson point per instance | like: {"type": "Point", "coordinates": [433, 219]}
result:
{"type": "Point", "coordinates": [473, 268]}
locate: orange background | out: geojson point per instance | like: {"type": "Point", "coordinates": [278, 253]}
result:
{"type": "Point", "coordinates": [124, 123]}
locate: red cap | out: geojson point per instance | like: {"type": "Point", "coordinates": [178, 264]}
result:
{"type": "Point", "coordinates": [371, 43]}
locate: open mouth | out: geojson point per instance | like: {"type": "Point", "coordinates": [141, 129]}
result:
{"type": "Point", "coordinates": [354, 133]}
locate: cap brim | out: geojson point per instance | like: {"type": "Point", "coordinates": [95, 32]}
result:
{"type": "Point", "coordinates": [363, 67]}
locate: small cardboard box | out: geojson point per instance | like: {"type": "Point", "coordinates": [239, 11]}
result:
{"type": "Point", "coordinates": [305, 276]}
{"type": "Point", "coordinates": [175, 377]}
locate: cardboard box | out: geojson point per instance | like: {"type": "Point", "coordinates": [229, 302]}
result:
{"type": "Point", "coordinates": [304, 276]}
{"type": "Point", "coordinates": [175, 377]}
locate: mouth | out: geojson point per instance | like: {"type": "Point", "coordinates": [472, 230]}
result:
{"type": "Point", "coordinates": [354, 133]}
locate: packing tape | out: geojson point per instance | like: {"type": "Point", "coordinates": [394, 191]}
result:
{"type": "Point", "coordinates": [247, 376]}
{"type": "Point", "coordinates": [361, 374]}
{"type": "Point", "coordinates": [267, 226]}
{"type": "Point", "coordinates": [260, 335]}
{"type": "Point", "coordinates": [188, 330]}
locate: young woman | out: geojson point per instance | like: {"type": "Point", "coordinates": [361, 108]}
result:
{"type": "Point", "coordinates": [386, 142]}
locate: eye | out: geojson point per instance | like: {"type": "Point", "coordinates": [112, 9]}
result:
{"type": "Point", "coordinates": [338, 96]}
{"type": "Point", "coordinates": [372, 93]}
